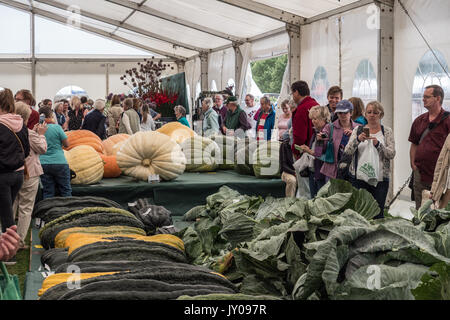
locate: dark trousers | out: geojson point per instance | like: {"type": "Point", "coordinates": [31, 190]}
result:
{"type": "Point", "coordinates": [315, 185]}
{"type": "Point", "coordinates": [418, 187]}
{"type": "Point", "coordinates": [56, 177]}
{"type": "Point", "coordinates": [379, 192]}
{"type": "Point", "coordinates": [10, 184]}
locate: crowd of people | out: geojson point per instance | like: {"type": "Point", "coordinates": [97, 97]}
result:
{"type": "Point", "coordinates": [336, 140]}
{"type": "Point", "coordinates": [328, 142]}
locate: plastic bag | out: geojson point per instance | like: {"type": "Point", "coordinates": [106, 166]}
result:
{"type": "Point", "coordinates": [368, 165]}
{"type": "Point", "coordinates": [9, 285]}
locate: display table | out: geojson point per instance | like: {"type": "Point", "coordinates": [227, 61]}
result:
{"type": "Point", "coordinates": [182, 194]}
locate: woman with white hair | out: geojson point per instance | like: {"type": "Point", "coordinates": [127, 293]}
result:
{"type": "Point", "coordinates": [211, 119]}
{"type": "Point", "coordinates": [59, 115]}
{"type": "Point", "coordinates": [180, 113]}
{"type": "Point", "coordinates": [95, 120]}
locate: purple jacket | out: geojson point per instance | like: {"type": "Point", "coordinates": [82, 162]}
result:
{"type": "Point", "coordinates": [330, 169]}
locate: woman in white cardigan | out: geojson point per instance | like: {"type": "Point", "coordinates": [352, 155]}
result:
{"type": "Point", "coordinates": [147, 123]}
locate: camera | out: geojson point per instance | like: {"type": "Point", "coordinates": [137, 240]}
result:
{"type": "Point", "coordinates": [323, 135]}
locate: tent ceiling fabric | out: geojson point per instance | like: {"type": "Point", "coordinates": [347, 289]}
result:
{"type": "Point", "coordinates": [178, 28]}
{"type": "Point", "coordinates": [306, 8]}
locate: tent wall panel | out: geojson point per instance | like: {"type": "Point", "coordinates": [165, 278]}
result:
{"type": "Point", "coordinates": [320, 47]}
{"type": "Point", "coordinates": [53, 76]}
{"type": "Point", "coordinates": [359, 42]}
{"type": "Point", "coordinates": [15, 76]}
{"type": "Point", "coordinates": [409, 49]}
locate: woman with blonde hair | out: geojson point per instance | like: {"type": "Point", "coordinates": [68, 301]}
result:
{"type": "Point", "coordinates": [382, 139]}
{"type": "Point", "coordinates": [284, 118]}
{"type": "Point", "coordinates": [24, 202]}
{"type": "Point", "coordinates": [56, 176]}
{"type": "Point", "coordinates": [75, 114]}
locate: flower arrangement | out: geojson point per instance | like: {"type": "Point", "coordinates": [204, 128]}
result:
{"type": "Point", "coordinates": [146, 84]}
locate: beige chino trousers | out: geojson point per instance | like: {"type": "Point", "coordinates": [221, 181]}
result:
{"type": "Point", "coordinates": [24, 204]}
{"type": "Point", "coordinates": [291, 184]}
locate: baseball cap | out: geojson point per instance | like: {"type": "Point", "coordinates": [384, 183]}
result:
{"type": "Point", "coordinates": [344, 106]}
{"type": "Point", "coordinates": [231, 99]}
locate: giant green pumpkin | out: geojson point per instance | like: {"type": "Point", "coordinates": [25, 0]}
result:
{"type": "Point", "coordinates": [244, 156]}
{"type": "Point", "coordinates": [202, 154]}
{"type": "Point", "coordinates": [227, 146]}
{"type": "Point", "coordinates": [266, 160]}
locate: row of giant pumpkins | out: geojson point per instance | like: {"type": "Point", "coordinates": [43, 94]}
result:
{"type": "Point", "coordinates": [168, 152]}
{"type": "Point", "coordinates": [138, 155]}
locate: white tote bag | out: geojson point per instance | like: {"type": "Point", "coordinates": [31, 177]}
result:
{"type": "Point", "coordinates": [368, 165]}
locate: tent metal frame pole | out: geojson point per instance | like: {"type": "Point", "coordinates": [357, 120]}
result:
{"type": "Point", "coordinates": [267, 11]}
{"type": "Point", "coordinates": [180, 65]}
{"type": "Point", "coordinates": [33, 53]}
{"type": "Point", "coordinates": [346, 8]}
{"type": "Point", "coordinates": [55, 17]}
{"type": "Point", "coordinates": [161, 15]}
{"type": "Point", "coordinates": [386, 72]}
{"type": "Point", "coordinates": [204, 64]}
{"type": "Point", "coordinates": [294, 55]}
{"type": "Point", "coordinates": [121, 24]}
{"type": "Point", "coordinates": [76, 59]}
{"type": "Point", "coordinates": [238, 62]}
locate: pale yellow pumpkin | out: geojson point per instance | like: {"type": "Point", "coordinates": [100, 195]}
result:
{"type": "Point", "coordinates": [109, 143]}
{"type": "Point", "coordinates": [148, 153]}
{"type": "Point", "coordinates": [177, 131]}
{"type": "Point", "coordinates": [86, 163]}
{"type": "Point", "coordinates": [117, 147]}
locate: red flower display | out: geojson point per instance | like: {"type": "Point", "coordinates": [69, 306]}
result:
{"type": "Point", "coordinates": [145, 82]}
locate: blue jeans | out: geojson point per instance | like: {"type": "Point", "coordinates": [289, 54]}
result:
{"type": "Point", "coordinates": [56, 177]}
{"type": "Point", "coordinates": [10, 184]}
{"type": "Point", "coordinates": [315, 185]}
{"type": "Point", "coordinates": [379, 192]}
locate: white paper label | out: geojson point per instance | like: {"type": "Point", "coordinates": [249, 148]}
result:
{"type": "Point", "coordinates": [153, 178]}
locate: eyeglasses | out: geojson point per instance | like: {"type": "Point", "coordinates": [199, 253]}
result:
{"type": "Point", "coordinates": [428, 97]}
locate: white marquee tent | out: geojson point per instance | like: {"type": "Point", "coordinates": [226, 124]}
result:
{"type": "Point", "coordinates": [376, 49]}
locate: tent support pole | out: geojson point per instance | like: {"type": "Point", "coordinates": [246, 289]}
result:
{"type": "Point", "coordinates": [238, 68]}
{"type": "Point", "coordinates": [33, 54]}
{"type": "Point", "coordinates": [386, 71]}
{"type": "Point", "coordinates": [204, 61]}
{"type": "Point", "coordinates": [294, 54]}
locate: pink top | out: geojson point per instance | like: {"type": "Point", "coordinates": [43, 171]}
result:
{"type": "Point", "coordinates": [282, 124]}
{"type": "Point", "coordinates": [38, 145]}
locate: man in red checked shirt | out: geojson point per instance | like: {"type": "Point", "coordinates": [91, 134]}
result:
{"type": "Point", "coordinates": [302, 128]}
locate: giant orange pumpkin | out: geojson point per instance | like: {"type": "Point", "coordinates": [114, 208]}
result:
{"type": "Point", "coordinates": [110, 168]}
{"type": "Point", "coordinates": [84, 138]}
{"type": "Point", "coordinates": [109, 143]}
